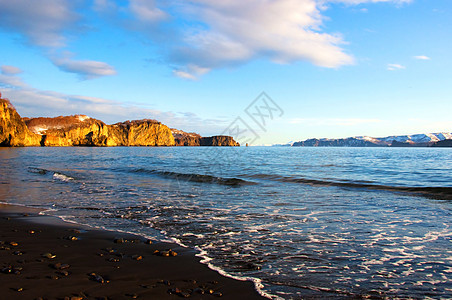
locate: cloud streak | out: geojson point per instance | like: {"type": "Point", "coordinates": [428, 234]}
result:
{"type": "Point", "coordinates": [395, 67]}
{"type": "Point", "coordinates": [421, 57]}
{"type": "Point", "coordinates": [33, 102]}
{"type": "Point", "coordinates": [86, 69]}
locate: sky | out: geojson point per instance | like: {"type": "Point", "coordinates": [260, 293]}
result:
{"type": "Point", "coordinates": [268, 71]}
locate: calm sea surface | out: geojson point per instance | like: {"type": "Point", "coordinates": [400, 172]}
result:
{"type": "Point", "coordinates": [303, 222]}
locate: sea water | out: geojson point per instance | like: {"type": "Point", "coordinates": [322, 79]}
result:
{"type": "Point", "coordinates": [301, 222]}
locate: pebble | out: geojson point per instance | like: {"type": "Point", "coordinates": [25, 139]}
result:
{"type": "Point", "coordinates": [119, 241]}
{"type": "Point", "coordinates": [17, 253]}
{"type": "Point", "coordinates": [165, 282]}
{"type": "Point", "coordinates": [165, 253]}
{"type": "Point", "coordinates": [133, 296]}
{"type": "Point", "coordinates": [148, 242]}
{"type": "Point", "coordinates": [20, 289]}
{"type": "Point", "coordinates": [14, 244]}
{"type": "Point", "coordinates": [98, 278]}
{"type": "Point", "coordinates": [71, 238]}
{"type": "Point", "coordinates": [218, 294]}
{"type": "Point", "coordinates": [113, 259]}
{"type": "Point", "coordinates": [48, 255]}
{"type": "Point", "coordinates": [31, 231]}
{"type": "Point", "coordinates": [137, 257]}
{"type": "Point", "coordinates": [63, 273]}
{"type": "Point", "coordinates": [60, 266]}
{"type": "Point", "coordinates": [199, 291]}
{"type": "Point", "coordinates": [12, 270]}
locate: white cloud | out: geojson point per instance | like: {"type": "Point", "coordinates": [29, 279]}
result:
{"type": "Point", "coordinates": [10, 70]}
{"type": "Point", "coordinates": [42, 22]}
{"type": "Point", "coordinates": [220, 34]}
{"type": "Point", "coordinates": [421, 57]}
{"type": "Point", "coordinates": [86, 69]}
{"type": "Point", "coordinates": [191, 72]}
{"type": "Point", "coordinates": [394, 67]}
{"type": "Point", "coordinates": [146, 11]}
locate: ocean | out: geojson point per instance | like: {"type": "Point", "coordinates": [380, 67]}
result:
{"type": "Point", "coordinates": [300, 222]}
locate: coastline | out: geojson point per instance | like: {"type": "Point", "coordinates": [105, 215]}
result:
{"type": "Point", "coordinates": [85, 257]}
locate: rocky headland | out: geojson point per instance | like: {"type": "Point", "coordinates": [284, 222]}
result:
{"type": "Point", "coordinates": [81, 130]}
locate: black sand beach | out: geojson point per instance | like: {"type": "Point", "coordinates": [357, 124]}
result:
{"type": "Point", "coordinates": [45, 258]}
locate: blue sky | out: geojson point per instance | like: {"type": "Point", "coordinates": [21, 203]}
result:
{"type": "Point", "coordinates": [336, 68]}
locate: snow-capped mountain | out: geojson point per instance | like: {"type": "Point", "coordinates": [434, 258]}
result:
{"type": "Point", "coordinates": [416, 140]}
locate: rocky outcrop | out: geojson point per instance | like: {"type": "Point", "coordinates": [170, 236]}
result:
{"type": "Point", "coordinates": [144, 133]}
{"type": "Point", "coordinates": [193, 139]}
{"type": "Point", "coordinates": [218, 140]}
{"type": "Point", "coordinates": [78, 130]}
{"type": "Point", "coordinates": [81, 130]}
{"type": "Point", "coordinates": [13, 131]}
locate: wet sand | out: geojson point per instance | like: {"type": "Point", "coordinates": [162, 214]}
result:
{"type": "Point", "coordinates": [96, 264]}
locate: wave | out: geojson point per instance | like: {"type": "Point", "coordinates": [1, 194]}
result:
{"type": "Point", "coordinates": [231, 181]}
{"type": "Point", "coordinates": [55, 175]}
{"type": "Point", "coordinates": [441, 193]}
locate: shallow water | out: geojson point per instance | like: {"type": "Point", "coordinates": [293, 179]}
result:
{"type": "Point", "coordinates": [306, 222]}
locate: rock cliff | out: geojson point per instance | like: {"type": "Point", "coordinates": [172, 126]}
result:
{"type": "Point", "coordinates": [81, 130]}
{"type": "Point", "coordinates": [13, 131]}
{"type": "Point", "coordinates": [193, 139]}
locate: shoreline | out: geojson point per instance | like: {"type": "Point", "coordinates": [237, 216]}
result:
{"type": "Point", "coordinates": [86, 257]}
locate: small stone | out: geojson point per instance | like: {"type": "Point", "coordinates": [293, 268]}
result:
{"type": "Point", "coordinates": [31, 231]}
{"type": "Point", "coordinates": [148, 242]}
{"type": "Point", "coordinates": [98, 278]}
{"type": "Point", "coordinates": [210, 291]}
{"type": "Point", "coordinates": [199, 291]}
{"type": "Point", "coordinates": [218, 294]}
{"type": "Point", "coordinates": [53, 277]}
{"type": "Point", "coordinates": [48, 255]}
{"type": "Point", "coordinates": [76, 298]}
{"type": "Point", "coordinates": [60, 266]}
{"type": "Point", "coordinates": [172, 253]}
{"type": "Point", "coordinates": [119, 241]}
{"type": "Point", "coordinates": [14, 244]}
{"type": "Point", "coordinates": [174, 291]}
{"type": "Point", "coordinates": [113, 259]}
{"type": "Point", "coordinates": [17, 253]}
{"type": "Point", "coordinates": [133, 296]}
{"type": "Point", "coordinates": [63, 273]}
{"type": "Point", "coordinates": [137, 257]}
{"type": "Point", "coordinates": [20, 289]}
{"type": "Point", "coordinates": [71, 238]}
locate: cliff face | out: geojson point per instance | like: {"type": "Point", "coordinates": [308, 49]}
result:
{"type": "Point", "coordinates": [76, 130]}
{"type": "Point", "coordinates": [81, 130]}
{"type": "Point", "coordinates": [144, 133]}
{"type": "Point", "coordinates": [13, 131]}
{"type": "Point", "coordinates": [218, 140]}
{"type": "Point", "coordinates": [193, 139]}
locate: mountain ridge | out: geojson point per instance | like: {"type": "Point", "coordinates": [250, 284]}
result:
{"type": "Point", "coordinates": [414, 140]}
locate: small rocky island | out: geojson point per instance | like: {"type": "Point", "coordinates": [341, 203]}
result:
{"type": "Point", "coordinates": [81, 130]}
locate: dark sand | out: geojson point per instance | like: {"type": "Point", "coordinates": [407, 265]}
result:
{"type": "Point", "coordinates": [26, 274]}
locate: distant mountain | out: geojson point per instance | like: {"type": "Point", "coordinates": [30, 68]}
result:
{"type": "Point", "coordinates": [442, 139]}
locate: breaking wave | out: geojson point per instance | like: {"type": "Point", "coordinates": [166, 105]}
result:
{"type": "Point", "coordinates": [231, 181]}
